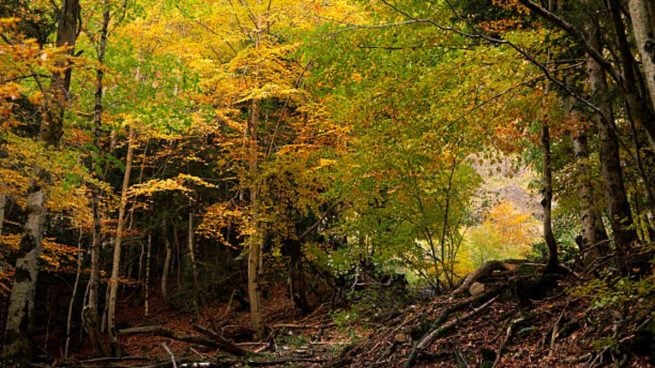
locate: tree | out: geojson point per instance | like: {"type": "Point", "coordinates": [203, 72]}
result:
{"type": "Point", "coordinates": [21, 305]}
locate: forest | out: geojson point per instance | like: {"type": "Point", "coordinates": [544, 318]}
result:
{"type": "Point", "coordinates": [327, 183]}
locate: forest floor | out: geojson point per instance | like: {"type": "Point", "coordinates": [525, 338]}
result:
{"type": "Point", "coordinates": [493, 329]}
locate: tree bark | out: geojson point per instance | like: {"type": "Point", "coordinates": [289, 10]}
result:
{"type": "Point", "coordinates": [546, 202]}
{"type": "Point", "coordinates": [593, 231]}
{"type": "Point", "coordinates": [192, 262]}
{"type": "Point", "coordinates": [91, 308]}
{"type": "Point", "coordinates": [67, 30]}
{"type": "Point", "coordinates": [643, 25]}
{"type": "Point", "coordinates": [147, 277]}
{"type": "Point", "coordinates": [618, 207]}
{"type": "Point", "coordinates": [115, 269]}
{"type": "Point", "coordinates": [640, 110]}
{"type": "Point", "coordinates": [167, 265]}
{"type": "Point", "coordinates": [297, 282]}
{"type": "Point", "coordinates": [18, 329]}
{"type": "Point", "coordinates": [69, 318]}
{"type": "Point", "coordinates": [3, 204]}
{"type": "Point", "coordinates": [18, 326]}
{"type": "Point", "coordinates": [255, 239]}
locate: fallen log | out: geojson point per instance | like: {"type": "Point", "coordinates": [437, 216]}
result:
{"type": "Point", "coordinates": [216, 341]}
{"type": "Point", "coordinates": [486, 269]}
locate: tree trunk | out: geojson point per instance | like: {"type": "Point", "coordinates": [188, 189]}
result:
{"type": "Point", "coordinates": [255, 239]}
{"type": "Point", "coordinates": [18, 329]}
{"type": "Point", "coordinates": [69, 318]}
{"type": "Point", "coordinates": [18, 326]}
{"type": "Point", "coordinates": [546, 202]}
{"type": "Point", "coordinates": [618, 207]}
{"type": "Point", "coordinates": [594, 236]}
{"type": "Point", "coordinates": [3, 204]}
{"type": "Point", "coordinates": [147, 278]}
{"type": "Point", "coordinates": [640, 111]}
{"type": "Point", "coordinates": [67, 30]}
{"type": "Point", "coordinates": [297, 282]}
{"type": "Point", "coordinates": [115, 269]}
{"type": "Point", "coordinates": [167, 265]}
{"type": "Point", "coordinates": [91, 308]}
{"type": "Point", "coordinates": [192, 262]}
{"type": "Point", "coordinates": [643, 25]}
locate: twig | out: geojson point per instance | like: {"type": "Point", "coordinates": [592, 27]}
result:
{"type": "Point", "coordinates": [254, 363]}
{"type": "Point", "coordinates": [555, 332]}
{"type": "Point", "coordinates": [302, 326]}
{"type": "Point", "coordinates": [114, 359]}
{"type": "Point", "coordinates": [163, 344]}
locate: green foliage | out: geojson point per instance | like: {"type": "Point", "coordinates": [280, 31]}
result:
{"type": "Point", "coordinates": [612, 292]}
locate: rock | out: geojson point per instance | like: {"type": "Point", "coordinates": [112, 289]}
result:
{"type": "Point", "coordinates": [476, 288]}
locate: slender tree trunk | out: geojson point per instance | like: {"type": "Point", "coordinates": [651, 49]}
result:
{"type": "Point", "coordinates": [255, 239]}
{"type": "Point", "coordinates": [546, 202]}
{"type": "Point", "coordinates": [448, 268]}
{"type": "Point", "coordinates": [18, 329]}
{"type": "Point", "coordinates": [3, 204]}
{"type": "Point", "coordinates": [115, 269]}
{"type": "Point", "coordinates": [618, 207]}
{"type": "Point", "coordinates": [643, 25]}
{"type": "Point", "coordinates": [593, 231]}
{"type": "Point", "coordinates": [147, 278]}
{"type": "Point", "coordinates": [177, 262]}
{"type": "Point", "coordinates": [192, 262]}
{"type": "Point", "coordinates": [69, 319]}
{"type": "Point", "coordinates": [167, 265]}
{"type": "Point", "coordinates": [91, 308]}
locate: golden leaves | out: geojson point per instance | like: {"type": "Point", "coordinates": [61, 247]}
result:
{"type": "Point", "coordinates": [220, 217]}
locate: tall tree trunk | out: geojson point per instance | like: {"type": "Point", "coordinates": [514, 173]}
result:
{"type": "Point", "coordinates": [546, 202]}
{"type": "Point", "coordinates": [297, 281]}
{"type": "Point", "coordinates": [147, 278]}
{"type": "Point", "coordinates": [255, 239]}
{"type": "Point", "coordinates": [643, 25]}
{"type": "Point", "coordinates": [192, 262]}
{"type": "Point", "coordinates": [115, 267]}
{"type": "Point", "coordinates": [71, 304]}
{"type": "Point", "coordinates": [593, 239]}
{"type": "Point", "coordinates": [67, 30]}
{"type": "Point", "coordinates": [18, 328]}
{"type": "Point", "coordinates": [91, 308]}
{"type": "Point", "coordinates": [618, 207]}
{"type": "Point", "coordinates": [640, 111]}
{"type": "Point", "coordinates": [167, 265]}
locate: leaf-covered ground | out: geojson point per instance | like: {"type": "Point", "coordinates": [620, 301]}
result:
{"type": "Point", "coordinates": [558, 330]}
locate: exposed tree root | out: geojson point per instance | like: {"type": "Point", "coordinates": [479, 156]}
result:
{"type": "Point", "coordinates": [440, 329]}
{"type": "Point", "coordinates": [508, 335]}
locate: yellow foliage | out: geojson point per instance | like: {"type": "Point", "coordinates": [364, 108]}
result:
{"type": "Point", "coordinates": [505, 233]}
{"type": "Point", "coordinates": [220, 217]}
